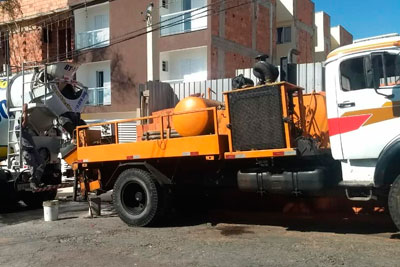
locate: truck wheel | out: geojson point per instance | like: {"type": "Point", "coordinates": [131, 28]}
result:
{"type": "Point", "coordinates": [394, 202]}
{"type": "Point", "coordinates": [35, 200]}
{"type": "Point", "coordinates": [137, 198]}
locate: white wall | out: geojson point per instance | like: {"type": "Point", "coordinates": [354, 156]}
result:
{"type": "Point", "coordinates": [319, 24]}
{"type": "Point", "coordinates": [335, 37]}
{"type": "Point", "coordinates": [188, 64]}
{"type": "Point", "coordinates": [284, 10]}
{"type": "Point", "coordinates": [86, 73]}
{"type": "Point", "coordinates": [85, 17]}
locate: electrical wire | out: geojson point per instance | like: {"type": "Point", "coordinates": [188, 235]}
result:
{"type": "Point", "coordinates": [126, 36]}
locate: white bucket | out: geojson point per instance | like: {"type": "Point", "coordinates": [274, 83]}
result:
{"type": "Point", "coordinates": [50, 210]}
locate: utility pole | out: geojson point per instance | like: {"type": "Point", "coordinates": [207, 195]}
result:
{"type": "Point", "coordinates": [149, 22]}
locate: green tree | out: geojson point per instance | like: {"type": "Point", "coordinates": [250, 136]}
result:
{"type": "Point", "coordinates": [11, 8]}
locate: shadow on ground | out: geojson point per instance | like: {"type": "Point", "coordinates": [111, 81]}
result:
{"type": "Point", "coordinates": [20, 213]}
{"type": "Point", "coordinates": [335, 216]}
{"type": "Point", "coordinates": [248, 209]}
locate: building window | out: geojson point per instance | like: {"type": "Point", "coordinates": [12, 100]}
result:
{"type": "Point", "coordinates": [164, 65]}
{"type": "Point", "coordinates": [46, 35]}
{"type": "Point", "coordinates": [164, 3]}
{"type": "Point", "coordinates": [284, 35]}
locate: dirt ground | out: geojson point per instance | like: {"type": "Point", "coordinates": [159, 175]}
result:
{"type": "Point", "coordinates": [216, 237]}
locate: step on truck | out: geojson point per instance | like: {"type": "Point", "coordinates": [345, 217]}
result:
{"type": "Point", "coordinates": [269, 138]}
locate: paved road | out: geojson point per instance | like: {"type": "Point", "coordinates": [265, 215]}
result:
{"type": "Point", "coordinates": [214, 238]}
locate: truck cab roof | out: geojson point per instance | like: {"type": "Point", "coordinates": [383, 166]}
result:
{"type": "Point", "coordinates": [373, 43]}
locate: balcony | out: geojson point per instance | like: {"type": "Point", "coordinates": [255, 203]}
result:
{"type": "Point", "coordinates": [100, 96]}
{"type": "Point", "coordinates": [97, 77]}
{"type": "Point", "coordinates": [183, 21]}
{"type": "Point", "coordinates": [93, 39]}
{"type": "Point", "coordinates": [184, 65]}
{"type": "Point", "coordinates": [92, 26]}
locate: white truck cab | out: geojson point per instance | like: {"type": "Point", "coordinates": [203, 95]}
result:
{"type": "Point", "coordinates": [363, 105]}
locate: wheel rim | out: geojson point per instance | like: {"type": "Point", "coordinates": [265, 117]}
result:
{"type": "Point", "coordinates": [134, 198]}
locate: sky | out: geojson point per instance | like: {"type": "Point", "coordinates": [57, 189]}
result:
{"type": "Point", "coordinates": [363, 18]}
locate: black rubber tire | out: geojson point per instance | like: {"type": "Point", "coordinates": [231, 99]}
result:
{"type": "Point", "coordinates": [144, 210]}
{"type": "Point", "coordinates": [35, 200]}
{"type": "Point", "coordinates": [394, 202]}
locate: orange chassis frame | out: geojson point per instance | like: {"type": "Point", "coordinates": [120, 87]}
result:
{"type": "Point", "coordinates": [213, 146]}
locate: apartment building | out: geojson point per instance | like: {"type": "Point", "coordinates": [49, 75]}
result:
{"type": "Point", "coordinates": [300, 27]}
{"type": "Point", "coordinates": [192, 40]}
{"type": "Point", "coordinates": [189, 40]}
{"type": "Point", "coordinates": [215, 46]}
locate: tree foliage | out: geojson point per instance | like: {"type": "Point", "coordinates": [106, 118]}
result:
{"type": "Point", "coordinates": [11, 8]}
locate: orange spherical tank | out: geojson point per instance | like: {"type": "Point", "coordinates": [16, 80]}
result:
{"type": "Point", "coordinates": [194, 123]}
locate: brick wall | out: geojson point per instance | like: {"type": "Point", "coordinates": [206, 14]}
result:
{"type": "Point", "coordinates": [305, 40]}
{"type": "Point", "coordinates": [25, 47]}
{"type": "Point", "coordinates": [31, 45]}
{"type": "Point", "coordinates": [327, 34]}
{"type": "Point", "coordinates": [305, 12]}
{"type": "Point", "coordinates": [345, 37]}
{"type": "Point", "coordinates": [35, 8]}
{"type": "Point", "coordinates": [238, 24]}
{"type": "Point", "coordinates": [234, 61]}
{"type": "Point", "coordinates": [247, 33]}
{"type": "Point", "coordinates": [305, 44]}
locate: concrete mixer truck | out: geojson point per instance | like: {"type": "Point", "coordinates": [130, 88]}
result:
{"type": "Point", "coordinates": [51, 102]}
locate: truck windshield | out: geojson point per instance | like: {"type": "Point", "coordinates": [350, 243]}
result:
{"type": "Point", "coordinates": [386, 71]}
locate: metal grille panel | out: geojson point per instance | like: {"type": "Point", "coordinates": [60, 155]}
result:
{"type": "Point", "coordinates": [256, 119]}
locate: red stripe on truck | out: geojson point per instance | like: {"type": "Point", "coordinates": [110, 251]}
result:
{"type": "Point", "coordinates": [346, 124]}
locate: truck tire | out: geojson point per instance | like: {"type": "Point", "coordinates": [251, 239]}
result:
{"type": "Point", "coordinates": [137, 198]}
{"type": "Point", "coordinates": [35, 200]}
{"type": "Point", "coordinates": [394, 202]}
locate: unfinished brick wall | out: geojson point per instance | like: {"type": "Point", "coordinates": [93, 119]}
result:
{"type": "Point", "coordinates": [305, 43]}
{"type": "Point", "coordinates": [214, 63]}
{"type": "Point", "coordinates": [247, 31]}
{"type": "Point", "coordinates": [305, 12]}
{"type": "Point", "coordinates": [345, 37]}
{"type": "Point", "coordinates": [263, 29]}
{"type": "Point", "coordinates": [25, 47]}
{"type": "Point", "coordinates": [53, 51]}
{"type": "Point", "coordinates": [32, 46]}
{"type": "Point", "coordinates": [238, 24]}
{"type": "Point", "coordinates": [36, 8]}
{"type": "Point", "coordinates": [234, 61]}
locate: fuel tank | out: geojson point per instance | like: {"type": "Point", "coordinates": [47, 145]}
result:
{"type": "Point", "coordinates": [194, 123]}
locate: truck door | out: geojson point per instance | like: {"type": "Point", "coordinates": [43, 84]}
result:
{"type": "Point", "coordinates": [368, 104]}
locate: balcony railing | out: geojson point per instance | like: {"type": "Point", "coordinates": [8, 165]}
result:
{"type": "Point", "coordinates": [184, 21]}
{"type": "Point", "coordinates": [100, 96]}
{"type": "Point", "coordinates": [93, 39]}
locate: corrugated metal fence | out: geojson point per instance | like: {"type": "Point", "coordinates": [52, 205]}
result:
{"type": "Point", "coordinates": [309, 76]}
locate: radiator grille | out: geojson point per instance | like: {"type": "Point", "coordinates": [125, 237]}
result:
{"type": "Point", "coordinates": [256, 119]}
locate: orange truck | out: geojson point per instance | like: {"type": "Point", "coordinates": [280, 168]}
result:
{"type": "Point", "coordinates": [269, 138]}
